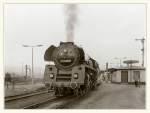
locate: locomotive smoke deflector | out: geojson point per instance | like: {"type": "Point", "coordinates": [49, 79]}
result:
{"type": "Point", "coordinates": [49, 53]}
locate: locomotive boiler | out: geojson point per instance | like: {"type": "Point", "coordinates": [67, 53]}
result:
{"type": "Point", "coordinates": [72, 71]}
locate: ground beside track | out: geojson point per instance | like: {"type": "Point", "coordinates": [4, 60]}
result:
{"type": "Point", "coordinates": [21, 89]}
{"type": "Point", "coordinates": [112, 96]}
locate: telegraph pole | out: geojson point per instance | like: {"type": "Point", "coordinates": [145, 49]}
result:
{"type": "Point", "coordinates": [142, 41]}
{"type": "Point", "coordinates": [26, 71]}
{"type": "Point", "coordinates": [32, 68]}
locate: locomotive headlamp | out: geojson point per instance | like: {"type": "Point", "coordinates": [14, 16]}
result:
{"type": "Point", "coordinates": [75, 75]}
{"type": "Point", "coordinates": [51, 75]}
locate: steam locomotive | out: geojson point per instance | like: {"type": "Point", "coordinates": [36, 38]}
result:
{"type": "Point", "coordinates": [72, 71]}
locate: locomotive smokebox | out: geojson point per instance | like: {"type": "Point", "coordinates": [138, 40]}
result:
{"type": "Point", "coordinates": [65, 56]}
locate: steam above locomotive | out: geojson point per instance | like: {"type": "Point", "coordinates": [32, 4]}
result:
{"type": "Point", "coordinates": [71, 72]}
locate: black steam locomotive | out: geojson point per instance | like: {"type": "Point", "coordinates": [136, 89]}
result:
{"type": "Point", "coordinates": [72, 71]}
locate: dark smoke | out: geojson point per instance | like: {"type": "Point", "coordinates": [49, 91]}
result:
{"type": "Point", "coordinates": [71, 19]}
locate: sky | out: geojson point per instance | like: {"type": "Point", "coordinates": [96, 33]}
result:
{"type": "Point", "coordinates": [105, 31]}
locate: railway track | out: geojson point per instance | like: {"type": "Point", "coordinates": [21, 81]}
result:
{"type": "Point", "coordinates": [36, 100]}
{"type": "Point", "coordinates": [22, 96]}
{"type": "Point", "coordinates": [36, 105]}
{"type": "Point", "coordinates": [27, 101]}
{"type": "Point", "coordinates": [49, 102]}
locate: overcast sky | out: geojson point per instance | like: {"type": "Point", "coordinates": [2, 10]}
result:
{"type": "Point", "coordinates": [105, 31]}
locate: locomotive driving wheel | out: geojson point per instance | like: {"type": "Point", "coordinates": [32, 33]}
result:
{"type": "Point", "coordinates": [59, 92]}
{"type": "Point", "coordinates": [76, 92]}
{"type": "Point", "coordinates": [56, 92]}
{"type": "Point", "coordinates": [87, 83]}
{"type": "Point", "coordinates": [94, 83]}
{"type": "Point", "coordinates": [79, 92]}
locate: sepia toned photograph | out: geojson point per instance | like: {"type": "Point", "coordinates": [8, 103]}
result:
{"type": "Point", "coordinates": [75, 56]}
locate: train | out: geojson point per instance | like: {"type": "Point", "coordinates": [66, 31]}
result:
{"type": "Point", "coordinates": [70, 70]}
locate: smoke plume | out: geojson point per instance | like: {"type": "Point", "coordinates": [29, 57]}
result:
{"type": "Point", "coordinates": [71, 19]}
